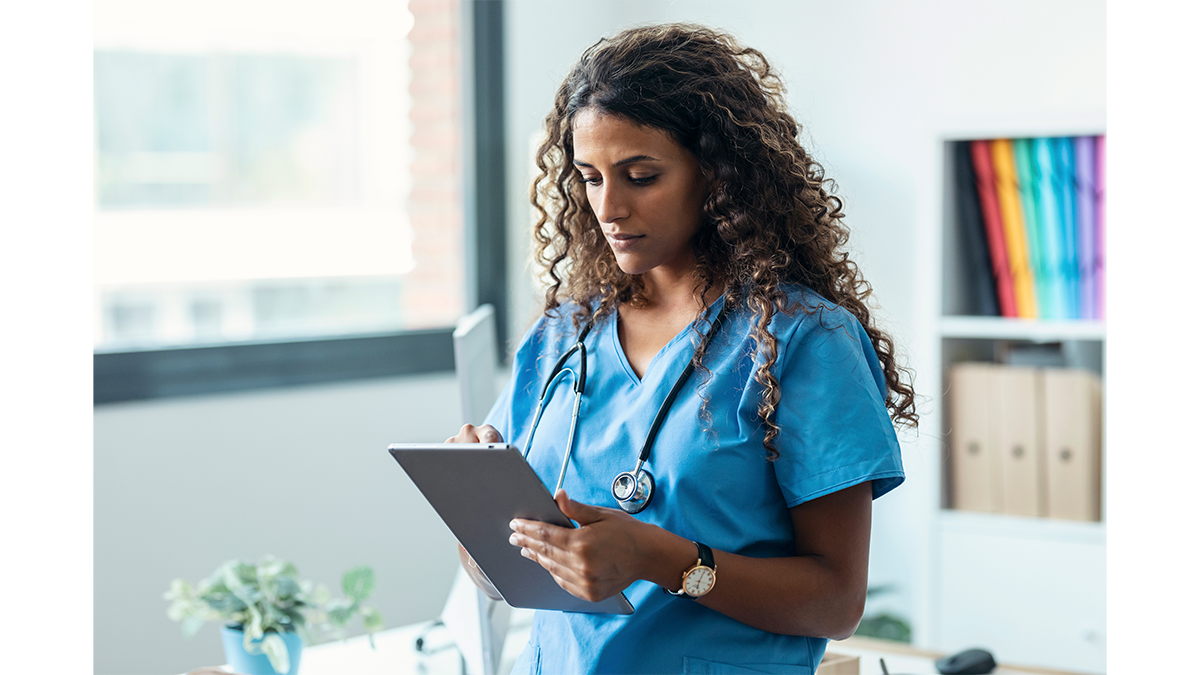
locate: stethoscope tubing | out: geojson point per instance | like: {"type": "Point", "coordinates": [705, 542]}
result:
{"type": "Point", "coordinates": [580, 380]}
{"type": "Point", "coordinates": [642, 497]}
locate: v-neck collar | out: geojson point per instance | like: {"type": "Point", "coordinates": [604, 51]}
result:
{"type": "Point", "coordinates": [615, 340]}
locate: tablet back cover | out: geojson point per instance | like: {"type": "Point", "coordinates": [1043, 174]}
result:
{"type": "Point", "coordinates": [477, 488]}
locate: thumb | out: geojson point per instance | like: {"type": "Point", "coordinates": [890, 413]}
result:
{"type": "Point", "coordinates": [580, 513]}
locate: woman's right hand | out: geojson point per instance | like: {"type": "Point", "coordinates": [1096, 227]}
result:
{"type": "Point", "coordinates": [472, 434]}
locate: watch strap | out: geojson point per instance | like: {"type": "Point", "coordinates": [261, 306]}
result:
{"type": "Point", "coordinates": [706, 556]}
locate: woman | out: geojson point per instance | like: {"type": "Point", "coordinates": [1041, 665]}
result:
{"type": "Point", "coordinates": [681, 222]}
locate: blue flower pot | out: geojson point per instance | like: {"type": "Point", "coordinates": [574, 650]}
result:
{"type": "Point", "coordinates": [240, 661]}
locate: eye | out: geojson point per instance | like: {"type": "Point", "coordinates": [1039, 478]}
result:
{"type": "Point", "coordinates": [589, 180]}
{"type": "Point", "coordinates": [643, 180]}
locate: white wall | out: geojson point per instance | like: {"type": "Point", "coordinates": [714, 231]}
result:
{"type": "Point", "coordinates": [877, 86]}
{"type": "Point", "coordinates": [182, 485]}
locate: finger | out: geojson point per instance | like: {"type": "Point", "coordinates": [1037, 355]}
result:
{"type": "Point", "coordinates": [576, 511]}
{"type": "Point", "coordinates": [549, 558]}
{"type": "Point", "coordinates": [542, 542]}
{"type": "Point", "coordinates": [488, 434]}
{"type": "Point", "coordinates": [569, 579]}
{"type": "Point", "coordinates": [529, 532]}
{"type": "Point", "coordinates": [469, 433]}
{"type": "Point", "coordinates": [463, 435]}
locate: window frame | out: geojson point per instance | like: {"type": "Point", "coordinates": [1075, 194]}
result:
{"type": "Point", "coordinates": [145, 374]}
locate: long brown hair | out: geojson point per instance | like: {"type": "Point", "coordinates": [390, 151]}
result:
{"type": "Point", "coordinates": [770, 217]}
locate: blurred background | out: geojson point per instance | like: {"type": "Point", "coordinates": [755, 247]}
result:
{"type": "Point", "coordinates": [293, 203]}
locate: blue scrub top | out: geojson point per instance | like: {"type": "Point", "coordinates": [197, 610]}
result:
{"type": "Point", "coordinates": [713, 481]}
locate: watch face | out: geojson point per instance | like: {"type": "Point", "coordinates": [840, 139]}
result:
{"type": "Point", "coordinates": [699, 580]}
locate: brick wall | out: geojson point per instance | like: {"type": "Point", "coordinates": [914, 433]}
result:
{"type": "Point", "coordinates": [433, 293]}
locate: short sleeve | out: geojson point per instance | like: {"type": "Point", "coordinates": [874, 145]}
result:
{"type": "Point", "coordinates": [500, 416]}
{"type": "Point", "coordinates": [519, 397]}
{"type": "Point", "coordinates": [834, 429]}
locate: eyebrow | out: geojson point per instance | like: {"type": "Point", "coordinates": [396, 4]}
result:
{"type": "Point", "coordinates": [623, 162]}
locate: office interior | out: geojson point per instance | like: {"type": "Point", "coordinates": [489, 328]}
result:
{"type": "Point", "coordinates": [879, 87]}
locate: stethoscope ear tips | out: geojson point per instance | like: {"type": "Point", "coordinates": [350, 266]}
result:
{"type": "Point", "coordinates": [632, 492]}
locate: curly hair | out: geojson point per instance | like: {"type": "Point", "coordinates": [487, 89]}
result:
{"type": "Point", "coordinates": [769, 219]}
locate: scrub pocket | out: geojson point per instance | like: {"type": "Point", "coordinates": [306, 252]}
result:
{"type": "Point", "coordinates": [694, 666]}
{"type": "Point", "coordinates": [529, 662]}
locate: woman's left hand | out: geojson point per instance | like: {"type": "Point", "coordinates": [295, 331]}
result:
{"type": "Point", "coordinates": [595, 561]}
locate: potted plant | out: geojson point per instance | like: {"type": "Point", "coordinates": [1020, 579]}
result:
{"type": "Point", "coordinates": [269, 613]}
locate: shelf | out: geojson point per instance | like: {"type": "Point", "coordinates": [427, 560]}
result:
{"type": "Point", "coordinates": [1033, 330]}
{"type": "Point", "coordinates": [1022, 527]}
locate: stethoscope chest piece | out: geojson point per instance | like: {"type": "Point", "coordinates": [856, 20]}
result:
{"type": "Point", "coordinates": [633, 490]}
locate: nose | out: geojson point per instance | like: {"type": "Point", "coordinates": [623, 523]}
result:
{"type": "Point", "coordinates": [608, 202]}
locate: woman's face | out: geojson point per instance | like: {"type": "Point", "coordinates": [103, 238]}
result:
{"type": "Point", "coordinates": [646, 190]}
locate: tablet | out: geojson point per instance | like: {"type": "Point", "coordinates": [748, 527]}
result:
{"type": "Point", "coordinates": [477, 488]}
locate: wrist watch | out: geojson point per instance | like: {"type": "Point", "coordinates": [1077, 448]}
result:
{"type": "Point", "coordinates": [699, 578]}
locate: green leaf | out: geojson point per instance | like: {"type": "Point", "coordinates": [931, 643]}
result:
{"type": "Point", "coordinates": [372, 620]}
{"type": "Point", "coordinates": [242, 581]}
{"type": "Point", "coordinates": [276, 651]}
{"type": "Point", "coordinates": [322, 595]}
{"type": "Point", "coordinates": [254, 627]}
{"type": "Point", "coordinates": [358, 582]}
{"type": "Point", "coordinates": [287, 588]}
{"type": "Point", "coordinates": [191, 625]}
{"type": "Point", "coordinates": [306, 635]}
{"type": "Point", "coordinates": [340, 612]}
{"type": "Point", "coordinates": [179, 590]}
{"type": "Point", "coordinates": [295, 617]}
{"type": "Point", "coordinates": [885, 626]}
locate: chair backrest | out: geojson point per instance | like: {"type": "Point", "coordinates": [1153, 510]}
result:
{"type": "Point", "coordinates": [475, 361]}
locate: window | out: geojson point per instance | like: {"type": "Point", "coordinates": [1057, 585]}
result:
{"type": "Point", "coordinates": [271, 173]}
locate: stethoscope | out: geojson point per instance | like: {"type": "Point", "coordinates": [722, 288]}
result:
{"type": "Point", "coordinates": [633, 490]}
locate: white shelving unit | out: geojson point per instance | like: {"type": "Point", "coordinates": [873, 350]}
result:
{"type": "Point", "coordinates": [1031, 590]}
{"type": "Point", "coordinates": [993, 328]}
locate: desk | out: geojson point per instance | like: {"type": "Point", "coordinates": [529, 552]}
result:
{"type": "Point", "coordinates": [395, 654]}
{"type": "Point", "coordinates": [902, 659]}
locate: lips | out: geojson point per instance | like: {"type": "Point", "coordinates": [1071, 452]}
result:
{"type": "Point", "coordinates": [623, 241]}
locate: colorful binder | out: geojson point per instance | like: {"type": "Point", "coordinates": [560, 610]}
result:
{"type": "Point", "coordinates": [1050, 228]}
{"type": "Point", "coordinates": [1031, 210]}
{"type": "Point", "coordinates": [1085, 224]}
{"type": "Point", "coordinates": [980, 284]}
{"type": "Point", "coordinates": [1100, 225]}
{"type": "Point", "coordinates": [1063, 176]}
{"type": "Point", "coordinates": [1008, 195]}
{"type": "Point", "coordinates": [985, 181]}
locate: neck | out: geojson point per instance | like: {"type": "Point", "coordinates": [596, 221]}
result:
{"type": "Point", "coordinates": [674, 289]}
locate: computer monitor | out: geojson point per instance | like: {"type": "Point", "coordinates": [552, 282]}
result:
{"type": "Point", "coordinates": [477, 623]}
{"type": "Point", "coordinates": [475, 361]}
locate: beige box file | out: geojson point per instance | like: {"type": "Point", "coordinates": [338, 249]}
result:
{"type": "Point", "coordinates": [1019, 441]}
{"type": "Point", "coordinates": [974, 464]}
{"type": "Point", "coordinates": [1073, 447]}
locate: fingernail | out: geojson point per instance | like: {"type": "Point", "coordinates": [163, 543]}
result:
{"type": "Point", "coordinates": [513, 539]}
{"type": "Point", "coordinates": [527, 553]}
{"type": "Point", "coordinates": [512, 525]}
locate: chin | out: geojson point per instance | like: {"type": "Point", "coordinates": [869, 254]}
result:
{"type": "Point", "coordinates": [630, 265]}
